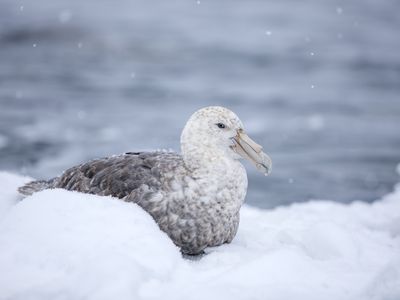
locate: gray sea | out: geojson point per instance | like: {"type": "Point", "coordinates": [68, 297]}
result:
{"type": "Point", "coordinates": [317, 83]}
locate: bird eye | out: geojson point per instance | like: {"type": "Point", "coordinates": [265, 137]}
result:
{"type": "Point", "coordinates": [221, 125]}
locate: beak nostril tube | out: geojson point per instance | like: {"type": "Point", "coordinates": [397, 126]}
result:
{"type": "Point", "coordinates": [250, 150]}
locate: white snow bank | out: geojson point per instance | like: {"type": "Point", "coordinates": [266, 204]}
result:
{"type": "Point", "coordinates": [8, 187]}
{"type": "Point", "coordinates": [65, 245]}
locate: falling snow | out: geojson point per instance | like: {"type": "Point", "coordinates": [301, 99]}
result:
{"type": "Point", "coordinates": [65, 16]}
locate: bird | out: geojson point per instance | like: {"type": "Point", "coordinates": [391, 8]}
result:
{"type": "Point", "coordinates": [195, 196]}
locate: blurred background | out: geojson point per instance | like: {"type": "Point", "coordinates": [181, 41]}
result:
{"type": "Point", "coordinates": [317, 83]}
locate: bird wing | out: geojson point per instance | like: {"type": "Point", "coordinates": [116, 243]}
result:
{"type": "Point", "coordinates": [133, 175]}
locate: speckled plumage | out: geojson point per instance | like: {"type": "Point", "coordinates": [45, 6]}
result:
{"type": "Point", "coordinates": [194, 197]}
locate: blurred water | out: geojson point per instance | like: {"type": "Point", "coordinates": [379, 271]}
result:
{"type": "Point", "coordinates": [316, 82]}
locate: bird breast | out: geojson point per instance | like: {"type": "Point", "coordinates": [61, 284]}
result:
{"type": "Point", "coordinates": [204, 211]}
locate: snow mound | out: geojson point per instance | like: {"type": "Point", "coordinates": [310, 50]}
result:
{"type": "Point", "coordinates": [8, 187]}
{"type": "Point", "coordinates": [58, 244]}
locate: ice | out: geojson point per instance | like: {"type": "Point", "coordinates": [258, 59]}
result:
{"type": "Point", "coordinates": [58, 244]}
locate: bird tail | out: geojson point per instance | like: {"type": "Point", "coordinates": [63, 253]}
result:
{"type": "Point", "coordinates": [35, 186]}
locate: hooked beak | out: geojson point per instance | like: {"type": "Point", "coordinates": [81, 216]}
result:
{"type": "Point", "coordinates": [250, 150]}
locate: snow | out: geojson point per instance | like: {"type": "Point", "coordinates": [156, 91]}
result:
{"type": "Point", "coordinates": [58, 244]}
{"type": "Point", "coordinates": [8, 195]}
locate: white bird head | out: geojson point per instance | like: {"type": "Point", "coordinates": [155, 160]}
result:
{"type": "Point", "coordinates": [218, 130]}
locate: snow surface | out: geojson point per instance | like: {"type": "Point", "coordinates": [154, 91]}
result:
{"type": "Point", "coordinates": [58, 244]}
